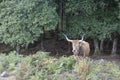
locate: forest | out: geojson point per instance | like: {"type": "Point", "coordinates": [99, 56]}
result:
{"type": "Point", "coordinates": [39, 24]}
{"type": "Point", "coordinates": [22, 22]}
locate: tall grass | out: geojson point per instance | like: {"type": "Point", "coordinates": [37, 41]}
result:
{"type": "Point", "coordinates": [41, 66]}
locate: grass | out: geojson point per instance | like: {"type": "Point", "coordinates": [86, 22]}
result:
{"type": "Point", "coordinates": [41, 66]}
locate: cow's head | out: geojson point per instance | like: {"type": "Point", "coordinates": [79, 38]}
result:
{"type": "Point", "coordinates": [76, 44]}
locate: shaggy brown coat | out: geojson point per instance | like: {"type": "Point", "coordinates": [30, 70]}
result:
{"type": "Point", "coordinates": [79, 47]}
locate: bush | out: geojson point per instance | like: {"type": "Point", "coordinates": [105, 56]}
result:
{"type": "Point", "coordinates": [8, 62]}
{"type": "Point", "coordinates": [41, 66]}
{"type": "Point", "coordinates": [97, 70]}
{"type": "Point", "coordinates": [34, 67]}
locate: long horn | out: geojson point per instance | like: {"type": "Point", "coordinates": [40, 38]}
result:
{"type": "Point", "coordinates": [83, 37]}
{"type": "Point", "coordinates": [67, 38]}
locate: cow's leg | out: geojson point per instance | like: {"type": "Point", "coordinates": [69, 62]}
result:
{"type": "Point", "coordinates": [76, 57]}
{"type": "Point", "coordinates": [84, 55]}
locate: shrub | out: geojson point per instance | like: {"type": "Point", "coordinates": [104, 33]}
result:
{"type": "Point", "coordinates": [9, 61]}
{"type": "Point", "coordinates": [97, 70]}
{"type": "Point", "coordinates": [41, 66]}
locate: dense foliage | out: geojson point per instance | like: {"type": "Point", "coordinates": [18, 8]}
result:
{"type": "Point", "coordinates": [99, 20]}
{"type": "Point", "coordinates": [22, 21]}
{"type": "Point", "coordinates": [94, 18]}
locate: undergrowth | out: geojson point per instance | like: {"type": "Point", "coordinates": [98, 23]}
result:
{"type": "Point", "coordinates": [41, 66]}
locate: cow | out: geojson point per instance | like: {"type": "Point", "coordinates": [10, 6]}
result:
{"type": "Point", "coordinates": [79, 47]}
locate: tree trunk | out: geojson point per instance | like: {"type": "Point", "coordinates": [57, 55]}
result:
{"type": "Point", "coordinates": [42, 39]}
{"type": "Point", "coordinates": [114, 47]}
{"type": "Point", "coordinates": [101, 45]}
{"type": "Point", "coordinates": [41, 44]}
{"type": "Point", "coordinates": [107, 45]}
{"type": "Point", "coordinates": [18, 48]}
{"type": "Point", "coordinates": [96, 47]}
{"type": "Point", "coordinates": [26, 46]}
{"type": "Point", "coordinates": [60, 14]}
{"type": "Point", "coordinates": [62, 20]}
{"type": "Point", "coordinates": [63, 16]}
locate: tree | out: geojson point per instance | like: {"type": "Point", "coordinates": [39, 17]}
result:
{"type": "Point", "coordinates": [22, 21]}
{"type": "Point", "coordinates": [97, 19]}
{"type": "Point", "coordinates": [78, 13]}
{"type": "Point", "coordinates": [81, 20]}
